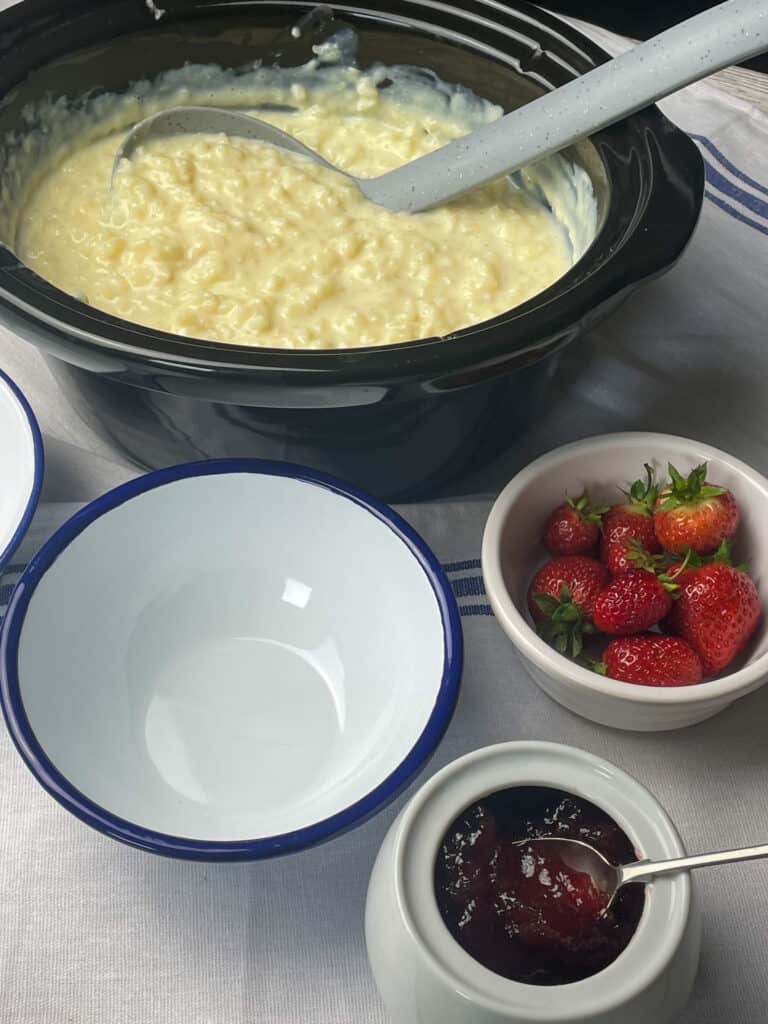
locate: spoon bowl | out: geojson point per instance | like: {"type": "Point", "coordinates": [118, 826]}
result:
{"type": "Point", "coordinates": [213, 121]}
{"type": "Point", "coordinates": [581, 859]}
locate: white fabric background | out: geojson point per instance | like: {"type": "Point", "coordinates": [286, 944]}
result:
{"type": "Point", "coordinates": [92, 932]}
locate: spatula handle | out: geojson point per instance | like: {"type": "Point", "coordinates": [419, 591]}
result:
{"type": "Point", "coordinates": [726, 34]}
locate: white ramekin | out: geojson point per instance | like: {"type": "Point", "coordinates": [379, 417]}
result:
{"type": "Point", "coordinates": [513, 550]}
{"type": "Point", "coordinates": [425, 977]}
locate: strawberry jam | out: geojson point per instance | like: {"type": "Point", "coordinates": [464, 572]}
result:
{"type": "Point", "coordinates": [520, 910]}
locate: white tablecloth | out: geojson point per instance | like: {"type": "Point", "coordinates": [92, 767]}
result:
{"type": "Point", "coordinates": [95, 933]}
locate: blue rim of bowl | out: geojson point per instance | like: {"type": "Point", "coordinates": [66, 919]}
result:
{"type": "Point", "coordinates": [37, 482]}
{"type": "Point", "coordinates": [193, 849]}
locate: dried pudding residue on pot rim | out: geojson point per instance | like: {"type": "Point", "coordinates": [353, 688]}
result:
{"type": "Point", "coordinates": [521, 913]}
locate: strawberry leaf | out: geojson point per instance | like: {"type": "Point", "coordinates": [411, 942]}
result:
{"type": "Point", "coordinates": [546, 603]}
{"type": "Point", "coordinates": [567, 613]}
{"type": "Point", "coordinates": [560, 642]}
{"type": "Point", "coordinates": [689, 490]}
{"type": "Point", "coordinates": [584, 508]}
{"type": "Point", "coordinates": [678, 481]}
{"type": "Point", "coordinates": [564, 627]}
{"type": "Point", "coordinates": [643, 493]}
{"type": "Point", "coordinates": [643, 559]}
{"type": "Point", "coordinates": [692, 560]}
{"type": "Point", "coordinates": [724, 556]}
{"type": "Point", "coordinates": [669, 584]}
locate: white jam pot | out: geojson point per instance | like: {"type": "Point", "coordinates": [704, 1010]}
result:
{"type": "Point", "coordinates": [423, 974]}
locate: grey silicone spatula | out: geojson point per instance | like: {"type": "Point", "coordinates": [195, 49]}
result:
{"type": "Point", "coordinates": [726, 34]}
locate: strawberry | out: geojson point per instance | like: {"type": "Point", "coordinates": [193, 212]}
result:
{"type": "Point", "coordinates": [681, 570]}
{"type": "Point", "coordinates": [573, 528]}
{"type": "Point", "coordinates": [692, 513]}
{"type": "Point", "coordinates": [561, 599]}
{"type": "Point", "coordinates": [717, 611]}
{"type": "Point", "coordinates": [584, 577]}
{"type": "Point", "coordinates": [651, 660]}
{"type": "Point", "coordinates": [634, 601]}
{"type": "Point", "coordinates": [630, 525]}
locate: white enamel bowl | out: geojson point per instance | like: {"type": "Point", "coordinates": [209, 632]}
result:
{"type": "Point", "coordinates": [230, 660]}
{"type": "Point", "coordinates": [21, 467]}
{"type": "Point", "coordinates": [512, 551]}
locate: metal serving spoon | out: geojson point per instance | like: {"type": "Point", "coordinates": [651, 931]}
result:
{"type": "Point", "coordinates": [608, 878]}
{"type": "Point", "coordinates": [726, 34]}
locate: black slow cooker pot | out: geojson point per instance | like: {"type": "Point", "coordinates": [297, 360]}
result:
{"type": "Point", "coordinates": [404, 421]}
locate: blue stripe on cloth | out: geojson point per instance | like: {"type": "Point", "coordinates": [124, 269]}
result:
{"type": "Point", "coordinates": [17, 569]}
{"type": "Point", "coordinates": [470, 586]}
{"type": "Point", "coordinates": [473, 563]}
{"type": "Point", "coordinates": [712, 148]}
{"type": "Point", "coordinates": [6, 588]}
{"type": "Point", "coordinates": [470, 610]}
{"type": "Point", "coordinates": [752, 203]}
{"type": "Point", "coordinates": [721, 203]}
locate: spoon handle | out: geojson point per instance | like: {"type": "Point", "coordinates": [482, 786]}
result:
{"type": "Point", "coordinates": [645, 869]}
{"type": "Point", "coordinates": [726, 34]}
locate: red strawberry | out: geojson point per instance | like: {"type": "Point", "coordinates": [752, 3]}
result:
{"type": "Point", "coordinates": [574, 527]}
{"type": "Point", "coordinates": [634, 601]}
{"type": "Point", "coordinates": [652, 660]}
{"type": "Point", "coordinates": [681, 571]}
{"type": "Point", "coordinates": [691, 513]}
{"type": "Point", "coordinates": [717, 611]}
{"type": "Point", "coordinates": [629, 526]}
{"type": "Point", "coordinates": [584, 578]}
{"type": "Point", "coordinates": [561, 599]}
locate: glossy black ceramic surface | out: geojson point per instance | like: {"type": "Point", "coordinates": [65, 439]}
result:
{"type": "Point", "coordinates": [403, 421]}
